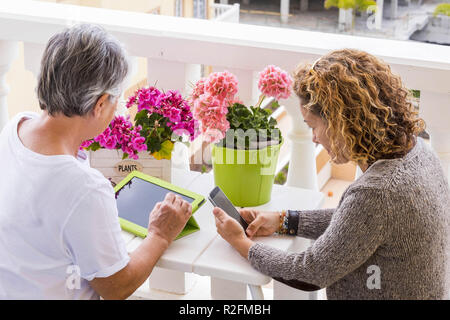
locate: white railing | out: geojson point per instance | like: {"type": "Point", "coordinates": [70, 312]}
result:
{"type": "Point", "coordinates": [226, 12]}
{"type": "Point", "coordinates": [176, 47]}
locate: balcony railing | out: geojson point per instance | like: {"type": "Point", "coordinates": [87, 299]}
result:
{"type": "Point", "coordinates": [226, 12]}
{"type": "Point", "coordinates": [176, 47]}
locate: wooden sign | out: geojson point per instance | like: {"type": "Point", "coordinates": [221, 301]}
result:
{"type": "Point", "coordinates": [123, 168]}
{"type": "Point", "coordinates": [111, 165]}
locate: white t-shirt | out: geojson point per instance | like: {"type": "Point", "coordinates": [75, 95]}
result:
{"type": "Point", "coordinates": [59, 225]}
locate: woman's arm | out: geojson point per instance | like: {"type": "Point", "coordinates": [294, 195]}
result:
{"type": "Point", "coordinates": [356, 230]}
{"type": "Point", "coordinates": [166, 221]}
{"type": "Point", "coordinates": [309, 224]}
{"type": "Point", "coordinates": [125, 282]}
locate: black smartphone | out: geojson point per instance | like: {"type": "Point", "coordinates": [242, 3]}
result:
{"type": "Point", "coordinates": [219, 199]}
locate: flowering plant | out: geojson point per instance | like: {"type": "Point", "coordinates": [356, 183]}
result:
{"type": "Point", "coordinates": [218, 109]}
{"type": "Point", "coordinates": [162, 118]}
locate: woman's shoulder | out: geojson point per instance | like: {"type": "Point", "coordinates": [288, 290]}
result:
{"type": "Point", "coordinates": [90, 179]}
{"type": "Point", "coordinates": [408, 170]}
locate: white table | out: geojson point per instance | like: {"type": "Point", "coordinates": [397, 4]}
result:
{"type": "Point", "coordinates": [206, 253]}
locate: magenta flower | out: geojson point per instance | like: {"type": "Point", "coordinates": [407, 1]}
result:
{"type": "Point", "coordinates": [120, 134]}
{"type": "Point", "coordinates": [145, 98]}
{"type": "Point", "coordinates": [86, 144]}
{"type": "Point", "coordinates": [274, 82]}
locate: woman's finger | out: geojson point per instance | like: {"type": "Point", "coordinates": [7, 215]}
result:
{"type": "Point", "coordinates": [178, 202]}
{"type": "Point", "coordinates": [248, 215]}
{"type": "Point", "coordinates": [253, 227]}
{"type": "Point", "coordinates": [186, 208]}
{"type": "Point", "coordinates": [170, 197]}
{"type": "Point", "coordinates": [220, 214]}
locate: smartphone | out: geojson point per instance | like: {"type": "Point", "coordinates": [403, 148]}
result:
{"type": "Point", "coordinates": [219, 199]}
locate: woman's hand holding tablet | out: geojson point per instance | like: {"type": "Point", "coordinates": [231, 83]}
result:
{"type": "Point", "coordinates": [140, 195]}
{"type": "Point", "coordinates": [169, 217]}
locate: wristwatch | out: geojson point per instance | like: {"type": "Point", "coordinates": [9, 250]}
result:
{"type": "Point", "coordinates": [292, 219]}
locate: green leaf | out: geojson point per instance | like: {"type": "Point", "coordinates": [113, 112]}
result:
{"type": "Point", "coordinates": [94, 146]}
{"type": "Point", "coordinates": [165, 152]}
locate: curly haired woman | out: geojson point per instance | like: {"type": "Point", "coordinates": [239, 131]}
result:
{"type": "Point", "coordinates": [388, 237]}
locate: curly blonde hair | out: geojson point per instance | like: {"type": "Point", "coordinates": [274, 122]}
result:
{"type": "Point", "coordinates": [363, 103]}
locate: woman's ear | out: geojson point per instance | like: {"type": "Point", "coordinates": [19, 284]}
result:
{"type": "Point", "coordinates": [100, 106]}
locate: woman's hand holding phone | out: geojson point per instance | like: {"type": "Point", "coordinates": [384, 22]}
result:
{"type": "Point", "coordinates": [261, 223]}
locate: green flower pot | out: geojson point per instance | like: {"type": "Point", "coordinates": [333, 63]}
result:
{"type": "Point", "coordinates": [245, 176]}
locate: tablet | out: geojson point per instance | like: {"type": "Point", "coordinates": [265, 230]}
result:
{"type": "Point", "coordinates": [137, 195]}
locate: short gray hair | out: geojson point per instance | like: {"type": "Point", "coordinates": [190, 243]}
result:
{"type": "Point", "coordinates": [79, 65]}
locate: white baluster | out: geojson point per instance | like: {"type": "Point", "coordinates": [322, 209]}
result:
{"type": "Point", "coordinates": [394, 9]}
{"type": "Point", "coordinates": [379, 14]}
{"type": "Point", "coordinates": [8, 52]}
{"type": "Point", "coordinates": [302, 165]}
{"type": "Point", "coordinates": [304, 5]}
{"type": "Point", "coordinates": [172, 75]}
{"type": "Point", "coordinates": [284, 11]}
{"type": "Point", "coordinates": [227, 290]}
{"type": "Point", "coordinates": [435, 110]}
{"type": "Point", "coordinates": [33, 55]}
{"type": "Point", "coordinates": [301, 174]}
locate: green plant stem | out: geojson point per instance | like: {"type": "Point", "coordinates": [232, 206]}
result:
{"type": "Point", "coordinates": [260, 101]}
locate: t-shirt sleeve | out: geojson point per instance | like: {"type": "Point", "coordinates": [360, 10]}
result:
{"type": "Point", "coordinates": [92, 236]}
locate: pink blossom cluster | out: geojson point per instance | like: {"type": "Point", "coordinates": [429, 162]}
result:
{"type": "Point", "coordinates": [274, 82]}
{"type": "Point", "coordinates": [120, 134]}
{"type": "Point", "coordinates": [211, 98]}
{"type": "Point", "coordinates": [169, 104]}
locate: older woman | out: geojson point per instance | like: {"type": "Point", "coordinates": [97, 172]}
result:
{"type": "Point", "coordinates": [59, 230]}
{"type": "Point", "coordinates": [388, 237]}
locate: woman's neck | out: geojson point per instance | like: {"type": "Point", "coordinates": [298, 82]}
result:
{"type": "Point", "coordinates": [363, 166]}
{"type": "Point", "coordinates": [51, 135]}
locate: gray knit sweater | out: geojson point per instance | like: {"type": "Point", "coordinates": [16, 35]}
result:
{"type": "Point", "coordinates": [387, 239]}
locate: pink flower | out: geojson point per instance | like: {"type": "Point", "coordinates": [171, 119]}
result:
{"type": "Point", "coordinates": [213, 135]}
{"type": "Point", "coordinates": [86, 144]}
{"type": "Point", "coordinates": [222, 85]}
{"type": "Point", "coordinates": [207, 106]}
{"type": "Point", "coordinates": [110, 142]}
{"type": "Point", "coordinates": [138, 144]}
{"type": "Point", "coordinates": [199, 89]}
{"type": "Point", "coordinates": [274, 82]}
{"type": "Point", "coordinates": [235, 100]}
{"type": "Point", "coordinates": [211, 98]}
{"type": "Point", "coordinates": [145, 98]}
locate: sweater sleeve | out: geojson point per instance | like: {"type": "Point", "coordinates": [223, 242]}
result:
{"type": "Point", "coordinates": [313, 223]}
{"type": "Point", "coordinates": [356, 229]}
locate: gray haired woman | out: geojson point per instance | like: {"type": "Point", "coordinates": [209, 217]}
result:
{"type": "Point", "coordinates": [60, 235]}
